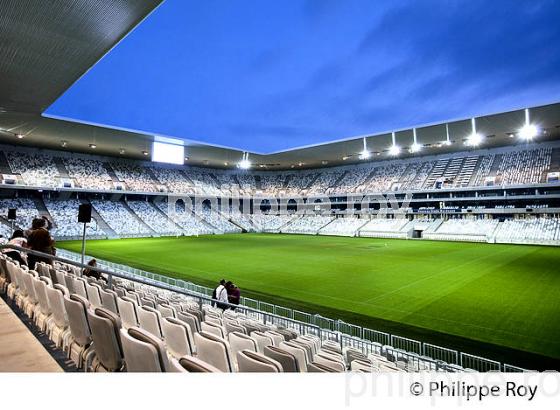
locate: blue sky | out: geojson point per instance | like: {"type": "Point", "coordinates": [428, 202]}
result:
{"type": "Point", "coordinates": [272, 75]}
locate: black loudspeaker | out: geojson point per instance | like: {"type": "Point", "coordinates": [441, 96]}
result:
{"type": "Point", "coordinates": [84, 213]}
{"type": "Point", "coordinates": [11, 214]}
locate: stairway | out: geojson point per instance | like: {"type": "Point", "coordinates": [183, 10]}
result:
{"type": "Point", "coordinates": [101, 223]}
{"type": "Point", "coordinates": [4, 165]}
{"type": "Point", "coordinates": [140, 220]}
{"type": "Point", "coordinates": [258, 182]}
{"type": "Point", "coordinates": [157, 209]}
{"type": "Point", "coordinates": [42, 210]}
{"type": "Point", "coordinates": [61, 168]}
{"type": "Point", "coordinates": [110, 172]}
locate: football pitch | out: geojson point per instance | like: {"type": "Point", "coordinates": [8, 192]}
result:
{"type": "Point", "coordinates": [446, 293]}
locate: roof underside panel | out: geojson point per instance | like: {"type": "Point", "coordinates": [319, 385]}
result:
{"type": "Point", "coordinates": [45, 46]}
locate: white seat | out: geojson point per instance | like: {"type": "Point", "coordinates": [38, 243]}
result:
{"type": "Point", "coordinates": [128, 312]}
{"type": "Point", "coordinates": [213, 328]}
{"type": "Point", "coordinates": [240, 341]}
{"type": "Point", "coordinates": [109, 300]}
{"type": "Point", "coordinates": [143, 351]}
{"type": "Point", "coordinates": [79, 286]}
{"type": "Point", "coordinates": [250, 361]}
{"type": "Point", "coordinates": [298, 352]}
{"type": "Point", "coordinates": [76, 308]}
{"type": "Point", "coordinates": [60, 332]}
{"type": "Point", "coordinates": [105, 331]}
{"type": "Point", "coordinates": [276, 337]}
{"type": "Point", "coordinates": [166, 310]}
{"type": "Point", "coordinates": [93, 295]}
{"type": "Point", "coordinates": [178, 337]}
{"type": "Point", "coordinates": [150, 319]}
{"type": "Point", "coordinates": [262, 340]}
{"type": "Point", "coordinates": [214, 350]}
{"type": "Point", "coordinates": [189, 364]}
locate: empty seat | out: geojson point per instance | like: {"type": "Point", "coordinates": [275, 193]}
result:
{"type": "Point", "coordinates": [166, 310]}
{"type": "Point", "coordinates": [59, 332]}
{"type": "Point", "coordinates": [262, 340]}
{"type": "Point", "coordinates": [150, 319]}
{"type": "Point", "coordinates": [298, 352]}
{"type": "Point", "coordinates": [178, 337]}
{"type": "Point", "coordinates": [320, 368]}
{"type": "Point", "coordinates": [79, 286]}
{"type": "Point", "coordinates": [193, 365]}
{"type": "Point", "coordinates": [234, 327]}
{"type": "Point", "coordinates": [250, 361]}
{"type": "Point", "coordinates": [191, 319]}
{"type": "Point", "coordinates": [105, 331]}
{"type": "Point", "coordinates": [326, 361]}
{"type": "Point", "coordinates": [143, 352]}
{"type": "Point", "coordinates": [276, 337]}
{"type": "Point", "coordinates": [109, 300]}
{"type": "Point", "coordinates": [240, 341]}
{"type": "Point", "coordinates": [43, 313]}
{"type": "Point", "coordinates": [93, 295]}
{"type": "Point", "coordinates": [127, 311]}
{"type": "Point", "coordinates": [214, 329]}
{"type": "Point", "coordinates": [362, 365]}
{"type": "Point", "coordinates": [214, 350]}
{"type": "Point", "coordinates": [76, 309]}
{"type": "Point", "coordinates": [285, 358]}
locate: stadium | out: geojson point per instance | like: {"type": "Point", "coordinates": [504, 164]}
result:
{"type": "Point", "coordinates": [425, 248]}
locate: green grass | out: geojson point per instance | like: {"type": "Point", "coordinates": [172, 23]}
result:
{"type": "Point", "coordinates": [503, 295]}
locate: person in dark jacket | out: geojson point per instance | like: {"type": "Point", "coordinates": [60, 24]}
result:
{"type": "Point", "coordinates": [39, 239]}
{"type": "Point", "coordinates": [234, 294]}
{"type": "Point", "coordinates": [91, 272]}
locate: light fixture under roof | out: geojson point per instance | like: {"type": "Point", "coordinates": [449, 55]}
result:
{"type": "Point", "coordinates": [415, 147]}
{"type": "Point", "coordinates": [121, 151]}
{"type": "Point", "coordinates": [324, 162]}
{"type": "Point", "coordinates": [20, 136]}
{"type": "Point", "coordinates": [93, 146]}
{"type": "Point", "coordinates": [244, 163]}
{"type": "Point", "coordinates": [63, 143]}
{"type": "Point", "coordinates": [475, 139]}
{"type": "Point", "coordinates": [447, 139]}
{"type": "Point", "coordinates": [394, 150]}
{"type": "Point", "coordinates": [365, 154]}
{"type": "Point", "coordinates": [145, 153]}
{"type": "Point", "coordinates": [528, 131]}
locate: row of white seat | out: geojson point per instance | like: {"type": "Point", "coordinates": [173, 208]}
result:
{"type": "Point", "coordinates": [105, 330]}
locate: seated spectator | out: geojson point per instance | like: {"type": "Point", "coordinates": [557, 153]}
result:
{"type": "Point", "coordinates": [17, 239]}
{"type": "Point", "coordinates": [91, 272]}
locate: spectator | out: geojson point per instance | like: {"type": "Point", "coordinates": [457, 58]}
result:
{"type": "Point", "coordinates": [39, 239]}
{"type": "Point", "coordinates": [234, 294]}
{"type": "Point", "coordinates": [91, 272]}
{"type": "Point", "coordinates": [17, 239]}
{"type": "Point", "coordinates": [220, 295]}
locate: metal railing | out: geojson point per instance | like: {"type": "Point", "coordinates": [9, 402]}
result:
{"type": "Point", "coordinates": [368, 340]}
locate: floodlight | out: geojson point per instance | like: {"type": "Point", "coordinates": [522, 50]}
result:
{"type": "Point", "coordinates": [365, 154]}
{"type": "Point", "coordinates": [474, 139]}
{"type": "Point", "coordinates": [415, 147]}
{"type": "Point", "coordinates": [528, 131]}
{"type": "Point", "coordinates": [395, 150]}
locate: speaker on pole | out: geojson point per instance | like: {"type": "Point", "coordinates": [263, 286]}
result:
{"type": "Point", "coordinates": [11, 214]}
{"type": "Point", "coordinates": [84, 213]}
